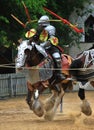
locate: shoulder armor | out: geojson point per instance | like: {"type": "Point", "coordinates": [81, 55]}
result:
{"type": "Point", "coordinates": [51, 30]}
{"type": "Point", "coordinates": [54, 41]}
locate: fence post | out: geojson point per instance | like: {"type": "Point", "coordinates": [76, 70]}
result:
{"type": "Point", "coordinates": [10, 86]}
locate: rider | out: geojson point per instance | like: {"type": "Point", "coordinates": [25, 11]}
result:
{"type": "Point", "coordinates": [49, 43]}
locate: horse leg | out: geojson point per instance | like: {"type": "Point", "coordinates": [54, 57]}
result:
{"type": "Point", "coordinates": [29, 95]}
{"type": "Point", "coordinates": [37, 105]}
{"type": "Point", "coordinates": [49, 102]}
{"type": "Point", "coordinates": [92, 83]}
{"type": "Point", "coordinates": [85, 106]}
{"type": "Point", "coordinates": [28, 99]}
{"type": "Point", "coordinates": [50, 114]}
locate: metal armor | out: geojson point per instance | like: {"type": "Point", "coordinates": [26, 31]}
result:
{"type": "Point", "coordinates": [49, 35]}
{"type": "Point", "coordinates": [20, 60]}
{"type": "Point", "coordinates": [49, 42]}
{"type": "Point", "coordinates": [44, 20]}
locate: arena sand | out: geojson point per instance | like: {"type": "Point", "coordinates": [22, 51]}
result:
{"type": "Point", "coordinates": [15, 115]}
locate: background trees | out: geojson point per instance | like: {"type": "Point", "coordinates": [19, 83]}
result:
{"type": "Point", "coordinates": [11, 30]}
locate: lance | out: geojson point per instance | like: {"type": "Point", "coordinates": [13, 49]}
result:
{"type": "Point", "coordinates": [26, 11]}
{"type": "Point", "coordinates": [18, 20]}
{"type": "Point", "coordinates": [65, 21]}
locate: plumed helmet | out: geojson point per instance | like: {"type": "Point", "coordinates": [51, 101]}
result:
{"type": "Point", "coordinates": [44, 20]}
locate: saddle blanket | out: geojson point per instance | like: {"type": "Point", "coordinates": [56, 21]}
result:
{"type": "Point", "coordinates": [41, 72]}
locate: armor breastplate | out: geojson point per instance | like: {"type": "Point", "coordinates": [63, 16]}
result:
{"type": "Point", "coordinates": [41, 50]}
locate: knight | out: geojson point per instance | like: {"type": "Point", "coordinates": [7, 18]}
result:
{"type": "Point", "coordinates": [49, 42]}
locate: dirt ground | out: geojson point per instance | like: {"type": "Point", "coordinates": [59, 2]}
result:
{"type": "Point", "coordinates": [15, 115]}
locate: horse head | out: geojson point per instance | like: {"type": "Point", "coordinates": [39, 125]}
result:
{"type": "Point", "coordinates": [20, 60]}
{"type": "Point", "coordinates": [31, 54]}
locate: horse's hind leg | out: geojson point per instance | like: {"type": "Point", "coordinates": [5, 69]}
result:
{"type": "Point", "coordinates": [85, 106]}
{"type": "Point", "coordinates": [92, 83]}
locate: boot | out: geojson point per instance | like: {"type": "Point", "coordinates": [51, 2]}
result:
{"type": "Point", "coordinates": [59, 75]}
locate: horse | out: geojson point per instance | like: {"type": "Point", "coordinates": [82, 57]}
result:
{"type": "Point", "coordinates": [81, 70]}
{"type": "Point", "coordinates": [40, 76]}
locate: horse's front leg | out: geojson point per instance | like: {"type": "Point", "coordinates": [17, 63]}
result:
{"type": "Point", "coordinates": [85, 106]}
{"type": "Point", "coordinates": [50, 101]}
{"type": "Point", "coordinates": [37, 105]}
{"type": "Point", "coordinates": [29, 97]}
{"type": "Point", "coordinates": [49, 115]}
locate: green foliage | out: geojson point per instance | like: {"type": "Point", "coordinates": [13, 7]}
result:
{"type": "Point", "coordinates": [64, 8]}
{"type": "Point", "coordinates": [11, 30]}
{"type": "Point", "coordinates": [3, 19]}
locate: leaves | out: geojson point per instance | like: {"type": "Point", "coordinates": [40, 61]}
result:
{"type": "Point", "coordinates": [4, 19]}
{"type": "Point", "coordinates": [11, 30]}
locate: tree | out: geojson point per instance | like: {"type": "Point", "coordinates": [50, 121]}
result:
{"type": "Point", "coordinates": [11, 30]}
{"type": "Point", "coordinates": [64, 8]}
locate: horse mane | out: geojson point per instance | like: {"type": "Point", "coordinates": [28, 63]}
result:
{"type": "Point", "coordinates": [34, 57]}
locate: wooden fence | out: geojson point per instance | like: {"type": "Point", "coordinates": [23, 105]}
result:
{"type": "Point", "coordinates": [12, 85]}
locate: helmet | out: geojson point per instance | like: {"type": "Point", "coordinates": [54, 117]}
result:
{"type": "Point", "coordinates": [44, 20]}
{"type": "Point", "coordinates": [30, 33]}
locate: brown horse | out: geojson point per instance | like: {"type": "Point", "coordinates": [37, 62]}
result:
{"type": "Point", "coordinates": [40, 77]}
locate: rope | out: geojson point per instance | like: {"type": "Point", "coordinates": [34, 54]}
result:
{"type": "Point", "coordinates": [37, 68]}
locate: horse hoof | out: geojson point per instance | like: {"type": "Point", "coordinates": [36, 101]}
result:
{"type": "Point", "coordinates": [85, 108]}
{"type": "Point", "coordinates": [37, 108]}
{"type": "Point", "coordinates": [49, 116]}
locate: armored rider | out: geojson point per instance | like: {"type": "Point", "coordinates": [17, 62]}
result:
{"type": "Point", "coordinates": [49, 42]}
